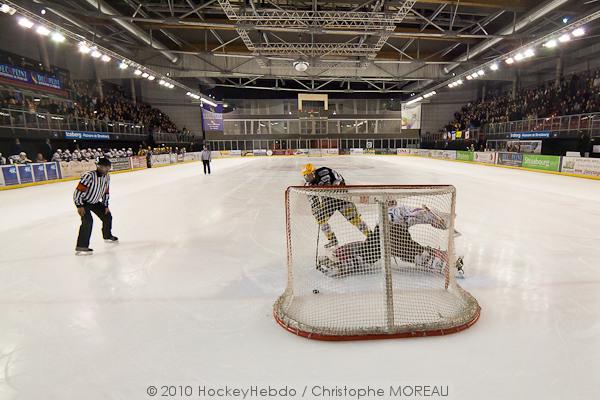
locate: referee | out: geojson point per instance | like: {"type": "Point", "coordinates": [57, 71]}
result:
{"type": "Point", "coordinates": [91, 196]}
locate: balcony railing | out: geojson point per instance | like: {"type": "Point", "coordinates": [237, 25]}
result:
{"type": "Point", "coordinates": [21, 120]}
{"type": "Point", "coordinates": [589, 123]}
{"type": "Point", "coordinates": [310, 143]}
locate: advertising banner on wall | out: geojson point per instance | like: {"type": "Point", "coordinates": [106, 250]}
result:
{"type": "Point", "coordinates": [546, 163]}
{"type": "Point", "coordinates": [465, 155]}
{"type": "Point", "coordinates": [530, 135]}
{"type": "Point", "coordinates": [487, 157]}
{"type": "Point", "coordinates": [581, 165]}
{"type": "Point", "coordinates": [138, 162]}
{"type": "Point", "coordinates": [449, 155]}
{"type": "Point", "coordinates": [196, 155]}
{"type": "Point", "coordinates": [411, 116]}
{"type": "Point", "coordinates": [39, 172]}
{"type": "Point", "coordinates": [212, 121]}
{"type": "Point", "coordinates": [385, 151]}
{"type": "Point", "coordinates": [76, 168]}
{"type": "Point", "coordinates": [25, 173]}
{"type": "Point", "coordinates": [52, 170]}
{"type": "Point", "coordinates": [86, 135]}
{"type": "Point", "coordinates": [120, 163]}
{"type": "Point", "coordinates": [512, 159]}
{"type": "Point", "coordinates": [436, 153]}
{"type": "Point", "coordinates": [423, 152]}
{"type": "Point", "coordinates": [356, 151]}
{"type": "Point", "coordinates": [161, 159]}
{"type": "Point", "coordinates": [10, 175]}
{"type": "Point", "coordinates": [524, 146]}
{"type": "Point", "coordinates": [24, 76]}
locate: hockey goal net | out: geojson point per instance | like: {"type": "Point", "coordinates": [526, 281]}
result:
{"type": "Point", "coordinates": [368, 262]}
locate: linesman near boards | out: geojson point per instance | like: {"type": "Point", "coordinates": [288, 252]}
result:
{"type": "Point", "coordinates": [91, 196]}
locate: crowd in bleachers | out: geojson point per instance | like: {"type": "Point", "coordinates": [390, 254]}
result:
{"type": "Point", "coordinates": [86, 102]}
{"type": "Point", "coordinates": [578, 93]}
{"type": "Point", "coordinates": [116, 107]}
{"type": "Point", "coordinates": [83, 99]}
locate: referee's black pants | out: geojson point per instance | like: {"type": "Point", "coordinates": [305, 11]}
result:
{"type": "Point", "coordinates": [85, 230]}
{"type": "Point", "coordinates": [206, 166]}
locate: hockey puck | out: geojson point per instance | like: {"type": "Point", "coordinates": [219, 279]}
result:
{"type": "Point", "coordinates": [315, 291]}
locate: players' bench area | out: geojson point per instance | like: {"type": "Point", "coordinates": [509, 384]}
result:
{"type": "Point", "coordinates": [23, 175]}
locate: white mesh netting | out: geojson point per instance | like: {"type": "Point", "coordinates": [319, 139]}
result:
{"type": "Point", "coordinates": [372, 261]}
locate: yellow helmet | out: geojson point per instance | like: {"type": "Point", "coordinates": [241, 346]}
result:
{"type": "Point", "coordinates": [308, 169]}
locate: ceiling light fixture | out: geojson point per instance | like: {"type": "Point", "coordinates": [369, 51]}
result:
{"type": "Point", "coordinates": [57, 37]}
{"type": "Point", "coordinates": [25, 23]}
{"type": "Point", "coordinates": [300, 65]}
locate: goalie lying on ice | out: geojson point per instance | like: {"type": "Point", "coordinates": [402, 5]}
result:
{"type": "Point", "coordinates": [360, 257]}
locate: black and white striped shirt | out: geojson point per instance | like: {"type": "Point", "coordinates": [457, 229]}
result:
{"type": "Point", "coordinates": [92, 189]}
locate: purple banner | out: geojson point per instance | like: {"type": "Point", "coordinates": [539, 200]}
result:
{"type": "Point", "coordinates": [52, 171]}
{"type": "Point", "coordinates": [212, 121]}
{"type": "Point", "coordinates": [22, 75]}
{"type": "Point", "coordinates": [25, 173]}
{"type": "Point", "coordinates": [39, 172]}
{"type": "Point", "coordinates": [9, 173]}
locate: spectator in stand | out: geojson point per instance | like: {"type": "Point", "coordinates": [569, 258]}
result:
{"type": "Point", "coordinates": [2, 160]}
{"type": "Point", "coordinates": [16, 148]}
{"type": "Point", "coordinates": [39, 158]}
{"type": "Point", "coordinates": [22, 158]}
{"type": "Point", "coordinates": [47, 150]}
{"type": "Point", "coordinates": [57, 156]}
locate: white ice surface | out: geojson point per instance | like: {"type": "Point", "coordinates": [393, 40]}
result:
{"type": "Point", "coordinates": [186, 297]}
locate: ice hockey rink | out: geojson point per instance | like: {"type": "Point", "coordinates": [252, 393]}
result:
{"type": "Point", "coordinates": [186, 297]}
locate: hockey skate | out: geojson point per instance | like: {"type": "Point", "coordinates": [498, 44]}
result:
{"type": "Point", "coordinates": [326, 266]}
{"type": "Point", "coordinates": [83, 251]}
{"type": "Point", "coordinates": [459, 267]}
{"type": "Point", "coordinates": [431, 259]}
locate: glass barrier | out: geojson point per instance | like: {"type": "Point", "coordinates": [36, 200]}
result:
{"type": "Point", "coordinates": [566, 123]}
{"type": "Point", "coordinates": [28, 120]}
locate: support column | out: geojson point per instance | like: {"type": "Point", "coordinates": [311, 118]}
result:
{"type": "Point", "coordinates": [515, 85]}
{"type": "Point", "coordinates": [98, 81]}
{"type": "Point", "coordinates": [483, 91]}
{"type": "Point", "coordinates": [133, 94]}
{"type": "Point", "coordinates": [43, 51]}
{"type": "Point", "coordinates": [559, 68]}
